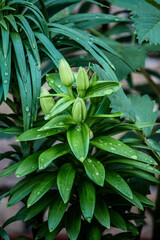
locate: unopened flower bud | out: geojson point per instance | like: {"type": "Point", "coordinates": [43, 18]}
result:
{"type": "Point", "coordinates": [94, 77]}
{"type": "Point", "coordinates": [79, 111]}
{"type": "Point", "coordinates": [65, 72]}
{"type": "Point", "coordinates": [47, 103]}
{"type": "Point", "coordinates": [82, 81]}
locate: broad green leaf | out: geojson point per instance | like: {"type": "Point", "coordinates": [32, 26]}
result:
{"type": "Point", "coordinates": [65, 180]}
{"type": "Point", "coordinates": [101, 213]}
{"type": "Point", "coordinates": [117, 220]}
{"type": "Point", "coordinates": [39, 206]}
{"type": "Point", "coordinates": [155, 145]}
{"type": "Point", "coordinates": [146, 20]}
{"type": "Point", "coordinates": [4, 234]}
{"type": "Point", "coordinates": [143, 199]}
{"type": "Point", "coordinates": [115, 146]}
{"type": "Point", "coordinates": [87, 199]}
{"type": "Point", "coordinates": [9, 170]}
{"type": "Point", "coordinates": [95, 170]}
{"type": "Point", "coordinates": [132, 228]}
{"type": "Point", "coordinates": [28, 165]}
{"type": "Point", "coordinates": [33, 134]}
{"type": "Point", "coordinates": [73, 224]}
{"type": "Point", "coordinates": [55, 83]}
{"type": "Point", "coordinates": [41, 188]}
{"type": "Point", "coordinates": [3, 23]}
{"type": "Point", "coordinates": [144, 114]}
{"type": "Point", "coordinates": [136, 164]}
{"type": "Point", "coordinates": [78, 139]}
{"type": "Point", "coordinates": [60, 106]}
{"type": "Point", "coordinates": [102, 88]}
{"type": "Point", "coordinates": [56, 212]}
{"type": "Point", "coordinates": [52, 153]}
{"type": "Point", "coordinates": [61, 121]}
{"type": "Point", "coordinates": [118, 183]}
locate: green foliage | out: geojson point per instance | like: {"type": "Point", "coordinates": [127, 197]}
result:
{"type": "Point", "coordinates": [71, 160]}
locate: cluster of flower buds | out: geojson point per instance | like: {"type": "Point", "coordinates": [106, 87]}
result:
{"type": "Point", "coordinates": [79, 111]}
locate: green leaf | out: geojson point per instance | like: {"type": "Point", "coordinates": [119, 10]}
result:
{"type": "Point", "coordinates": [33, 134]}
{"type": "Point", "coordinates": [4, 234]}
{"type": "Point", "coordinates": [144, 200]}
{"type": "Point", "coordinates": [143, 157]}
{"type": "Point", "coordinates": [136, 164]}
{"type": "Point", "coordinates": [52, 153]}
{"type": "Point", "coordinates": [3, 23]}
{"type": "Point", "coordinates": [78, 139]}
{"type": "Point", "coordinates": [12, 21]}
{"type": "Point", "coordinates": [155, 145]}
{"type": "Point", "coordinates": [101, 88]}
{"type": "Point", "coordinates": [23, 188]}
{"type": "Point", "coordinates": [60, 106]}
{"type": "Point", "coordinates": [20, 54]}
{"type": "Point", "coordinates": [12, 130]}
{"type": "Point", "coordinates": [132, 228]}
{"type": "Point", "coordinates": [115, 146]}
{"type": "Point", "coordinates": [9, 170]}
{"type": "Point", "coordinates": [73, 224]}
{"type": "Point", "coordinates": [28, 165]}
{"type": "Point", "coordinates": [5, 41]}
{"type": "Point", "coordinates": [144, 114]}
{"type": "Point", "coordinates": [39, 206]}
{"type": "Point", "coordinates": [116, 114]}
{"type": "Point", "coordinates": [61, 121]}
{"type": "Point", "coordinates": [56, 212]}
{"type": "Point", "coordinates": [5, 64]}
{"type": "Point", "coordinates": [125, 3]}
{"type": "Point", "coordinates": [87, 198]}
{"type": "Point", "coordinates": [41, 188]}
{"type": "Point", "coordinates": [118, 183]}
{"type": "Point", "coordinates": [117, 220]}
{"type": "Point", "coordinates": [95, 170]}
{"type": "Point", "coordinates": [101, 213]}
{"type": "Point", "coordinates": [147, 21]}
{"type": "Point", "coordinates": [65, 180]}
{"type": "Point", "coordinates": [55, 83]}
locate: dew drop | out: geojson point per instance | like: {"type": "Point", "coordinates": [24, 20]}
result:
{"type": "Point", "coordinates": [39, 135]}
{"type": "Point", "coordinates": [97, 173]}
{"type": "Point", "coordinates": [88, 219]}
{"type": "Point", "coordinates": [27, 109]}
{"type": "Point", "coordinates": [89, 160]}
{"type": "Point", "coordinates": [134, 156]}
{"type": "Point", "coordinates": [97, 17]}
{"type": "Point", "coordinates": [100, 140]}
{"type": "Point", "coordinates": [109, 91]}
{"type": "Point", "coordinates": [67, 189]}
{"type": "Point", "coordinates": [59, 86]}
{"type": "Point", "coordinates": [5, 64]}
{"type": "Point", "coordinates": [5, 81]}
{"type": "Point", "coordinates": [112, 148]}
{"type": "Point", "coordinates": [6, 73]}
{"type": "Point", "coordinates": [38, 193]}
{"type": "Point", "coordinates": [81, 159]}
{"type": "Point", "coordinates": [110, 144]}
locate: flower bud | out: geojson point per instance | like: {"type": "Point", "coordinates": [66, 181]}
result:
{"type": "Point", "coordinates": [82, 81]}
{"type": "Point", "coordinates": [79, 111]}
{"type": "Point", "coordinates": [47, 103]}
{"type": "Point", "coordinates": [65, 73]}
{"type": "Point", "coordinates": [94, 78]}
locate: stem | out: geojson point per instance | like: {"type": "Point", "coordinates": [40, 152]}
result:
{"type": "Point", "coordinates": [70, 92]}
{"type": "Point", "coordinates": [151, 82]}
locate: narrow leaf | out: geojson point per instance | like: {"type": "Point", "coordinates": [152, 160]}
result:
{"type": "Point", "coordinates": [101, 213]}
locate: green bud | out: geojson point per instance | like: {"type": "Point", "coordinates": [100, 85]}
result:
{"type": "Point", "coordinates": [79, 111]}
{"type": "Point", "coordinates": [82, 81]}
{"type": "Point", "coordinates": [94, 78]}
{"type": "Point", "coordinates": [47, 103]}
{"type": "Point", "coordinates": [90, 134]}
{"type": "Point", "coordinates": [65, 72]}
